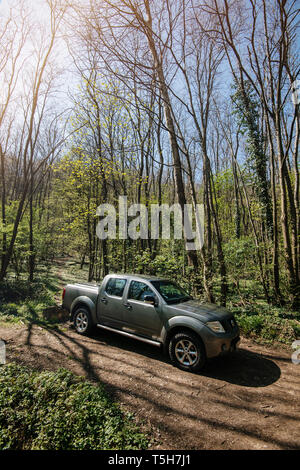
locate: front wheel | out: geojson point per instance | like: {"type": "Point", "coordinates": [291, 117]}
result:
{"type": "Point", "coordinates": [83, 321]}
{"type": "Point", "coordinates": [187, 352]}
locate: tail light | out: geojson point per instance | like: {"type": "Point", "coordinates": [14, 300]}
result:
{"type": "Point", "coordinates": [63, 294]}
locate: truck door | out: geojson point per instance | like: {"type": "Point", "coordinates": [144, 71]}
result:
{"type": "Point", "coordinates": [140, 317]}
{"type": "Point", "coordinates": [110, 302]}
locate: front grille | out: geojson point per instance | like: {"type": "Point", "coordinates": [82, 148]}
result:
{"type": "Point", "coordinates": [229, 324]}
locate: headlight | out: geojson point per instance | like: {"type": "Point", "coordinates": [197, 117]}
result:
{"type": "Point", "coordinates": [215, 326]}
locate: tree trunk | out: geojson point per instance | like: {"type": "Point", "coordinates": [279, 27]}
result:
{"type": "Point", "coordinates": [179, 185]}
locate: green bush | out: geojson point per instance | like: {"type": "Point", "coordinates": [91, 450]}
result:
{"type": "Point", "coordinates": [23, 300]}
{"type": "Point", "coordinates": [267, 327]}
{"type": "Point", "coordinates": [18, 290]}
{"type": "Point", "coordinates": [251, 324]}
{"type": "Point", "coordinates": [60, 411]}
{"type": "Point", "coordinates": [296, 328]}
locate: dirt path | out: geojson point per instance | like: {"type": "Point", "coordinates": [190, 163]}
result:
{"type": "Point", "coordinates": [247, 401]}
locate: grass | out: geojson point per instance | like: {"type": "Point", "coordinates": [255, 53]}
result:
{"type": "Point", "coordinates": [61, 411]}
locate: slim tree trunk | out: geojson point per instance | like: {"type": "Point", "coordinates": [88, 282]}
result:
{"type": "Point", "coordinates": [192, 255]}
{"type": "Point", "coordinates": [3, 208]}
{"type": "Point", "coordinates": [31, 258]}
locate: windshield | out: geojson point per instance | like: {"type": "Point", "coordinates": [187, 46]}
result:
{"type": "Point", "coordinates": [171, 292]}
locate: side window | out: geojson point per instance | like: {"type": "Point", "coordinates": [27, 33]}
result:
{"type": "Point", "coordinates": [115, 286]}
{"type": "Point", "coordinates": [138, 290]}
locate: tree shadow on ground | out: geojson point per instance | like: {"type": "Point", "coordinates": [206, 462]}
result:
{"type": "Point", "coordinates": [242, 367]}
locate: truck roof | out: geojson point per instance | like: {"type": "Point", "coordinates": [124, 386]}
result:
{"type": "Point", "coordinates": [138, 276]}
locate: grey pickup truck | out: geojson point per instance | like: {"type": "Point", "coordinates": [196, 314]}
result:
{"type": "Point", "coordinates": [156, 311]}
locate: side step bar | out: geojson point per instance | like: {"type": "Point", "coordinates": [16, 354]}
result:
{"type": "Point", "coordinates": [130, 335]}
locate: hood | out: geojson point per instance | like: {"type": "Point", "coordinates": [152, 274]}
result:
{"type": "Point", "coordinates": [201, 310]}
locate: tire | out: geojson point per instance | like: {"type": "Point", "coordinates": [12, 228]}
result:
{"type": "Point", "coordinates": [82, 320]}
{"type": "Point", "coordinates": [187, 352]}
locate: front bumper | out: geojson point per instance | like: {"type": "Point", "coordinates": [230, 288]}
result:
{"type": "Point", "coordinates": [217, 345]}
{"type": "Point", "coordinates": [231, 347]}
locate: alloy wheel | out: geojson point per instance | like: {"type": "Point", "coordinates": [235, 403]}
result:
{"type": "Point", "coordinates": [186, 352]}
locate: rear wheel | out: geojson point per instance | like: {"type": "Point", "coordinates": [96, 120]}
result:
{"type": "Point", "coordinates": [187, 352]}
{"type": "Point", "coordinates": [83, 321]}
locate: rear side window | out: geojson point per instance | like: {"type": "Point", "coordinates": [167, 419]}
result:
{"type": "Point", "coordinates": [138, 290]}
{"type": "Point", "coordinates": [115, 286]}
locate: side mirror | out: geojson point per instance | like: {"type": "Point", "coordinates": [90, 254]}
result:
{"type": "Point", "coordinates": [150, 299]}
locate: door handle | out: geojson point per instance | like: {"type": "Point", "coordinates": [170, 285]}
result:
{"type": "Point", "coordinates": [104, 300]}
{"type": "Point", "coordinates": [128, 306]}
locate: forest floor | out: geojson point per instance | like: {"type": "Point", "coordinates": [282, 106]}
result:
{"type": "Point", "coordinates": [249, 400]}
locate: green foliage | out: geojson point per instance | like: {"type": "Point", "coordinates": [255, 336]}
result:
{"type": "Point", "coordinates": [20, 290]}
{"type": "Point", "coordinates": [251, 324]}
{"type": "Point", "coordinates": [240, 257]}
{"type": "Point", "coordinates": [60, 411]}
{"type": "Point", "coordinates": [246, 107]}
{"type": "Point", "coordinates": [23, 300]}
{"type": "Point", "coordinates": [224, 187]}
{"type": "Point", "coordinates": [268, 324]}
{"type": "Point", "coordinates": [165, 265]}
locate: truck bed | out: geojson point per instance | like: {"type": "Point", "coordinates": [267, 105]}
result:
{"type": "Point", "coordinates": [80, 289]}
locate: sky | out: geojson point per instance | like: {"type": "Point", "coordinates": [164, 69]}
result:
{"type": "Point", "coordinates": [40, 15]}
{"type": "Point", "coordinates": [62, 58]}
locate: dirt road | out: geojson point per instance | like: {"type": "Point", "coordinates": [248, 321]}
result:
{"type": "Point", "coordinates": [247, 401]}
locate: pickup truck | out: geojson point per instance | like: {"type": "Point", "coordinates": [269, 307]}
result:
{"type": "Point", "coordinates": [156, 311]}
